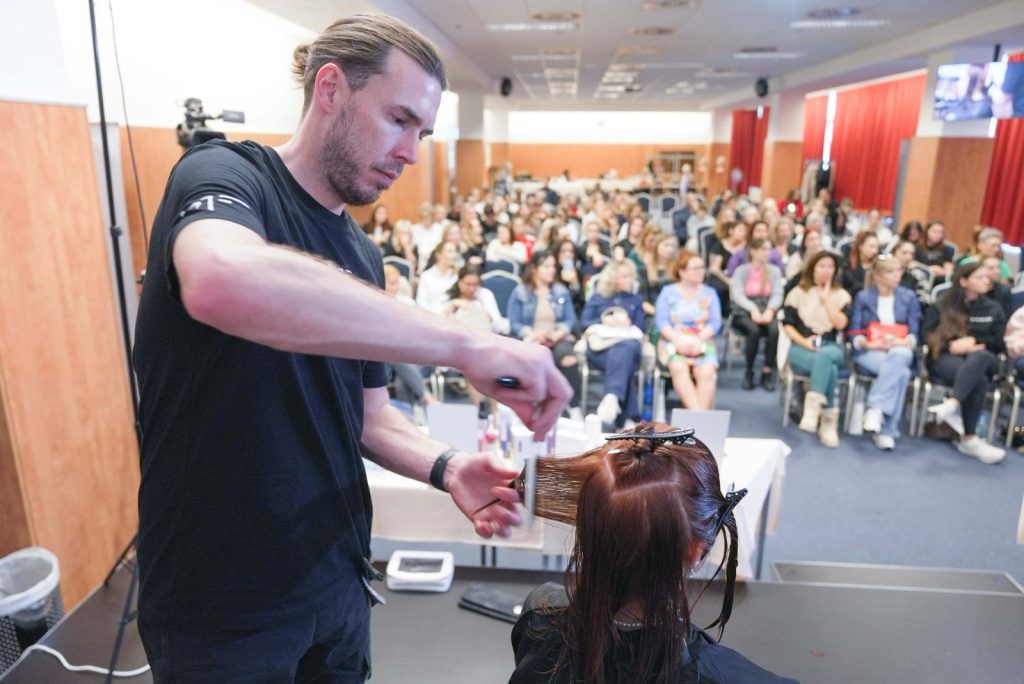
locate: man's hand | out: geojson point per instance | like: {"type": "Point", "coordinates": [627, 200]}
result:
{"type": "Point", "coordinates": [542, 393]}
{"type": "Point", "coordinates": [473, 480]}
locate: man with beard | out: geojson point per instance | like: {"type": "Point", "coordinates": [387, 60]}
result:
{"type": "Point", "coordinates": [261, 345]}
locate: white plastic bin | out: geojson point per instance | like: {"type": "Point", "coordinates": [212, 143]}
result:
{"type": "Point", "coordinates": [29, 600]}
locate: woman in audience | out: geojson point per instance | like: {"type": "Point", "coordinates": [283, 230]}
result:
{"type": "Point", "coordinates": [810, 243]}
{"type": "Point", "coordinates": [409, 383]}
{"type": "Point", "coordinates": [378, 227]}
{"type": "Point", "coordinates": [911, 232]}
{"type": "Point", "coordinates": [688, 314]}
{"type": "Point", "coordinates": [756, 295]}
{"type": "Point", "coordinates": [781, 236]}
{"type": "Point", "coordinates": [815, 312]}
{"type": "Point", "coordinates": [1014, 341]}
{"type": "Point", "coordinates": [988, 242]}
{"type": "Point", "coordinates": [596, 251]}
{"type": "Point", "coordinates": [613, 321]}
{"type": "Point", "coordinates": [862, 256]}
{"type": "Point", "coordinates": [914, 277]}
{"type": "Point", "coordinates": [965, 333]}
{"type": "Point", "coordinates": [475, 306]}
{"type": "Point", "coordinates": [934, 252]}
{"type": "Point", "coordinates": [731, 238]}
{"type": "Point", "coordinates": [434, 283]}
{"type": "Point", "coordinates": [402, 244]}
{"type": "Point", "coordinates": [504, 247]}
{"type": "Point", "coordinates": [630, 237]}
{"type": "Point", "coordinates": [759, 231]}
{"type": "Point", "coordinates": [540, 310]}
{"type": "Point", "coordinates": [645, 514]}
{"type": "Point", "coordinates": [569, 273]}
{"type": "Point", "coordinates": [886, 325]}
{"type": "Point", "coordinates": [1000, 293]}
{"type": "Point", "coordinates": [661, 268]}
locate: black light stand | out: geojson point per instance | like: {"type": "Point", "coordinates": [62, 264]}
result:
{"type": "Point", "coordinates": [127, 614]}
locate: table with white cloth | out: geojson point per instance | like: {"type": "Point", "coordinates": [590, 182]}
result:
{"type": "Point", "coordinates": [410, 511]}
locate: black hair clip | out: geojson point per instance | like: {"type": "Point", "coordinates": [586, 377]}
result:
{"type": "Point", "coordinates": [731, 499]}
{"type": "Point", "coordinates": [673, 437]}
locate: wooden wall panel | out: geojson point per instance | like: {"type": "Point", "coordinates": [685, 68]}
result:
{"type": "Point", "coordinates": [413, 188]}
{"type": "Point", "coordinates": [62, 368]}
{"type": "Point", "coordinates": [470, 171]}
{"type": "Point", "coordinates": [718, 173]}
{"type": "Point", "coordinates": [917, 183]}
{"type": "Point", "coordinates": [958, 185]}
{"type": "Point", "coordinates": [586, 160]}
{"type": "Point", "coordinates": [442, 178]}
{"type": "Point", "coordinates": [783, 165]}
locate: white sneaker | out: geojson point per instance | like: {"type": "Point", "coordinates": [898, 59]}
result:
{"type": "Point", "coordinates": [608, 410]}
{"type": "Point", "coordinates": [948, 412]}
{"type": "Point", "coordinates": [884, 442]}
{"type": "Point", "coordinates": [873, 420]}
{"type": "Point", "coordinates": [981, 450]}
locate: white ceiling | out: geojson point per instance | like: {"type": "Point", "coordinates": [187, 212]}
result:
{"type": "Point", "coordinates": [697, 59]}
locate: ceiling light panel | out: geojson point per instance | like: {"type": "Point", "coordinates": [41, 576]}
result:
{"type": "Point", "coordinates": [538, 26]}
{"type": "Point", "coordinates": [670, 4]}
{"type": "Point", "coordinates": [651, 31]}
{"type": "Point", "coordinates": [837, 23]}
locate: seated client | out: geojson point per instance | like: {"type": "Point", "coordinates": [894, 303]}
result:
{"type": "Point", "coordinates": [646, 513]}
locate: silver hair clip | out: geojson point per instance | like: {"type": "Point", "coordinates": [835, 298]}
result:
{"type": "Point", "coordinates": [682, 436]}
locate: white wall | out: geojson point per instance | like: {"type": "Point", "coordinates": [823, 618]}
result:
{"type": "Point", "coordinates": [786, 121]}
{"type": "Point", "coordinates": [228, 53]}
{"type": "Point", "coordinates": [609, 127]}
{"type": "Point", "coordinates": [32, 54]}
{"type": "Point", "coordinates": [722, 125]}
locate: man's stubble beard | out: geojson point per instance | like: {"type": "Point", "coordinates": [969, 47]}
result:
{"type": "Point", "coordinates": [339, 163]}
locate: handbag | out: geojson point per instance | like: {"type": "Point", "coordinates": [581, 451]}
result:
{"type": "Point", "coordinates": [878, 331]}
{"type": "Point", "coordinates": [600, 336]}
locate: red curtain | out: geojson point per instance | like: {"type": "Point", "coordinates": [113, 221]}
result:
{"type": "Point", "coordinates": [815, 109]}
{"type": "Point", "coordinates": [1004, 197]}
{"type": "Point", "coordinates": [746, 151]}
{"type": "Point", "coordinates": [870, 123]}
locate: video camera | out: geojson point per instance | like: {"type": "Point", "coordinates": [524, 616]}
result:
{"type": "Point", "coordinates": [193, 130]}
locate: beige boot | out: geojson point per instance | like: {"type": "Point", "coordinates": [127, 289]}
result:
{"type": "Point", "coordinates": [828, 431]}
{"type": "Point", "coordinates": [812, 409]}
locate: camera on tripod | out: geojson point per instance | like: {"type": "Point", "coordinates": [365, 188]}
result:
{"type": "Point", "coordinates": [193, 130]}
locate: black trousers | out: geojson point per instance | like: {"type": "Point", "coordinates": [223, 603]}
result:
{"type": "Point", "coordinates": [755, 332]}
{"type": "Point", "coordinates": [562, 349]}
{"type": "Point", "coordinates": [328, 645]}
{"type": "Point", "coordinates": [969, 376]}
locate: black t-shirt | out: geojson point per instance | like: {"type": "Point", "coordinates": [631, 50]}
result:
{"type": "Point", "coordinates": [935, 256]}
{"type": "Point", "coordinates": [538, 644]}
{"type": "Point", "coordinates": [254, 502]}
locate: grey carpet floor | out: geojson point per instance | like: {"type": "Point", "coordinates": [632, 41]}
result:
{"type": "Point", "coordinates": [923, 504]}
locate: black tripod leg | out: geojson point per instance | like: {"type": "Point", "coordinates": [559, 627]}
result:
{"type": "Point", "coordinates": [120, 559]}
{"type": "Point", "coordinates": [126, 617]}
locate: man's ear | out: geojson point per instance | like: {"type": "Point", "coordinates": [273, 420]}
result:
{"type": "Point", "coordinates": [331, 90]}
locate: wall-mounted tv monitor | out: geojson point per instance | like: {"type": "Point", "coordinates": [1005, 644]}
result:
{"type": "Point", "coordinates": [979, 91]}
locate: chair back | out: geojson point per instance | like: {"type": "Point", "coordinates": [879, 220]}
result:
{"type": "Point", "coordinates": [403, 266]}
{"type": "Point", "coordinates": [704, 243]}
{"type": "Point", "coordinates": [844, 246]}
{"type": "Point", "coordinates": [644, 200]}
{"type": "Point", "coordinates": [1016, 298]}
{"type": "Point", "coordinates": [501, 265]}
{"type": "Point", "coordinates": [938, 290]}
{"type": "Point", "coordinates": [501, 284]}
{"type": "Point", "coordinates": [668, 203]}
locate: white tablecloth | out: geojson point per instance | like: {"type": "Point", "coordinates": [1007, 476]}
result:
{"type": "Point", "coordinates": [406, 510]}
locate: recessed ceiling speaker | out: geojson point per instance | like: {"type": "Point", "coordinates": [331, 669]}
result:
{"type": "Point", "coordinates": [761, 87]}
{"type": "Point", "coordinates": [506, 86]}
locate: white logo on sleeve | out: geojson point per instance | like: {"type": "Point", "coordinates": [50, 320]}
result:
{"type": "Point", "coordinates": [210, 202]}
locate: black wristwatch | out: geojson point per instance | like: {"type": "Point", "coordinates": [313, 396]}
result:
{"type": "Point", "coordinates": [437, 471]}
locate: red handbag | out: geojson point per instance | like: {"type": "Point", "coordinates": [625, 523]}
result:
{"type": "Point", "coordinates": [878, 330]}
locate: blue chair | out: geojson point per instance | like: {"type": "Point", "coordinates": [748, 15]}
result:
{"type": "Point", "coordinates": [668, 203]}
{"type": "Point", "coordinates": [501, 284]}
{"type": "Point", "coordinates": [502, 265]}
{"type": "Point", "coordinates": [403, 266]}
{"type": "Point", "coordinates": [645, 201]}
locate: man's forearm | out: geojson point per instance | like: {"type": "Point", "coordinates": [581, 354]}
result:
{"type": "Point", "coordinates": [394, 443]}
{"type": "Point", "coordinates": [294, 302]}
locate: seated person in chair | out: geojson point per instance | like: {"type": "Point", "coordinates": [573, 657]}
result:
{"type": "Point", "coordinates": [756, 297]}
{"type": "Point", "coordinates": [623, 614]}
{"type": "Point", "coordinates": [613, 323]}
{"type": "Point", "coordinates": [965, 333]}
{"type": "Point", "coordinates": [814, 314]}
{"type": "Point", "coordinates": [886, 325]}
{"type": "Point", "coordinates": [687, 316]}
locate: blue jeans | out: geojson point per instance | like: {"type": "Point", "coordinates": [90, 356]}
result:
{"type": "Point", "coordinates": [822, 365]}
{"type": "Point", "coordinates": [892, 373]}
{"type": "Point", "coordinates": [619, 363]}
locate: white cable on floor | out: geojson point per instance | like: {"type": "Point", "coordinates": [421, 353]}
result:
{"type": "Point", "coordinates": [84, 668]}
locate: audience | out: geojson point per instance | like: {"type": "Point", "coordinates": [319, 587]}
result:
{"type": "Point", "coordinates": [613, 320]}
{"type": "Point", "coordinates": [965, 333]}
{"type": "Point", "coordinates": [815, 312]}
{"type": "Point", "coordinates": [688, 315]}
{"type": "Point", "coordinates": [666, 293]}
{"type": "Point", "coordinates": [756, 294]}
{"type": "Point", "coordinates": [885, 326]}
{"type": "Point", "coordinates": [540, 310]}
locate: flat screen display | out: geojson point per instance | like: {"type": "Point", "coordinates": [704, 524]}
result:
{"type": "Point", "coordinates": [979, 91]}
